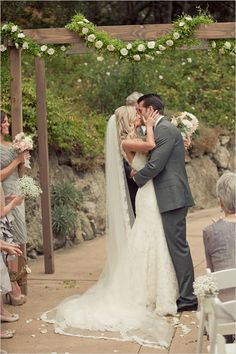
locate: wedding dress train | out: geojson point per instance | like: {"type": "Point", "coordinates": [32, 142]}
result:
{"type": "Point", "coordinates": [138, 285]}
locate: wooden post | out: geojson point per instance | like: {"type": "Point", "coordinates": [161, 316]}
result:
{"type": "Point", "coordinates": [16, 91]}
{"type": "Point", "coordinates": [44, 165]}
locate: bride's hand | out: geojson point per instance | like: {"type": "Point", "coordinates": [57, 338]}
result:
{"type": "Point", "coordinates": [151, 120]}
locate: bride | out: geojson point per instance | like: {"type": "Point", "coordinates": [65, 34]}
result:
{"type": "Point", "coordinates": [138, 284]}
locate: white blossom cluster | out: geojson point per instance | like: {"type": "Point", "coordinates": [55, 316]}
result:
{"type": "Point", "coordinates": [27, 187]}
{"type": "Point", "coordinates": [186, 122]}
{"type": "Point", "coordinates": [205, 285]}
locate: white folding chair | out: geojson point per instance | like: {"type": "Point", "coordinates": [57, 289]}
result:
{"type": "Point", "coordinates": [211, 311]}
{"type": "Point", "coordinates": [222, 347]}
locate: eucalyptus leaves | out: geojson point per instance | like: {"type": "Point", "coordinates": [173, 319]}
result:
{"type": "Point", "coordinates": [182, 34]}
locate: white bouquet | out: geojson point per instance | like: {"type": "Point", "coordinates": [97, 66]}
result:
{"type": "Point", "coordinates": [23, 143]}
{"type": "Point", "coordinates": [186, 122]}
{"type": "Point", "coordinates": [205, 286]}
{"type": "Point", "coordinates": [28, 187]}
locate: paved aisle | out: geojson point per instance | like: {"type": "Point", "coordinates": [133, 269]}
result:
{"type": "Point", "coordinates": [76, 270]}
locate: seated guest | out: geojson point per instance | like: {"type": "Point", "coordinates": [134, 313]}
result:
{"type": "Point", "coordinates": [219, 237]}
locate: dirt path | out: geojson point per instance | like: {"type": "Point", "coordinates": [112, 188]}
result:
{"type": "Point", "coordinates": [76, 270]}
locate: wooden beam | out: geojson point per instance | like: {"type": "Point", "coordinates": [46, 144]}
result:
{"type": "Point", "coordinates": [16, 91]}
{"type": "Point", "coordinates": [44, 166]}
{"type": "Point", "coordinates": [130, 33]}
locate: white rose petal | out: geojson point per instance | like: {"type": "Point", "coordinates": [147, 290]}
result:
{"type": "Point", "coordinates": [169, 42]}
{"type": "Point", "coordinates": [176, 35]}
{"type": "Point", "coordinates": [63, 48]}
{"type": "Point", "coordinates": [129, 46]}
{"type": "Point", "coordinates": [123, 51]}
{"type": "Point", "coordinates": [21, 35]}
{"type": "Point", "coordinates": [141, 48]}
{"type": "Point", "coordinates": [100, 58]}
{"type": "Point", "coordinates": [2, 48]}
{"type": "Point", "coordinates": [91, 38]}
{"type": "Point", "coordinates": [98, 44]}
{"type": "Point", "coordinates": [43, 331]}
{"type": "Point", "coordinates": [137, 57]}
{"type": "Point", "coordinates": [33, 335]}
{"type": "Point", "coordinates": [14, 28]}
{"type": "Point", "coordinates": [25, 45]}
{"type": "Point", "coordinates": [110, 47]}
{"type": "Point", "coordinates": [161, 47]}
{"type": "Point", "coordinates": [181, 24]}
{"type": "Point", "coordinates": [227, 45]}
{"type": "Point", "coordinates": [44, 48]}
{"type": "Point", "coordinates": [85, 30]}
{"type": "Point", "coordinates": [50, 51]}
{"type": "Point", "coordinates": [151, 44]}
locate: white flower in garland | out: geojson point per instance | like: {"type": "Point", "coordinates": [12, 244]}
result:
{"type": "Point", "coordinates": [137, 57]}
{"type": "Point", "coordinates": [181, 24]}
{"type": "Point", "coordinates": [123, 51]}
{"type": "Point", "coordinates": [44, 48]}
{"type": "Point", "coordinates": [100, 58]}
{"type": "Point", "coordinates": [189, 60]}
{"type": "Point", "coordinates": [221, 51]}
{"type": "Point", "coordinates": [21, 35]}
{"type": "Point", "coordinates": [2, 48]}
{"type": "Point", "coordinates": [141, 48]}
{"type": "Point", "coordinates": [99, 44]}
{"type": "Point", "coordinates": [151, 44]}
{"type": "Point", "coordinates": [4, 27]}
{"type": "Point", "coordinates": [129, 46]}
{"type": "Point", "coordinates": [227, 45]}
{"type": "Point", "coordinates": [149, 57]}
{"type": "Point", "coordinates": [213, 44]}
{"type": "Point", "coordinates": [80, 22]}
{"type": "Point", "coordinates": [16, 45]}
{"type": "Point", "coordinates": [14, 28]}
{"type": "Point", "coordinates": [85, 30]}
{"type": "Point", "coordinates": [169, 43]}
{"type": "Point", "coordinates": [110, 47]}
{"type": "Point", "coordinates": [176, 35]}
{"type": "Point", "coordinates": [25, 45]}
{"type": "Point", "coordinates": [160, 77]}
{"type": "Point", "coordinates": [188, 18]}
{"type": "Point", "coordinates": [63, 48]}
{"type": "Point", "coordinates": [50, 51]}
{"type": "Point", "coordinates": [91, 38]}
{"type": "Point", "coordinates": [85, 20]}
{"type": "Point", "coordinates": [158, 52]}
{"type": "Point", "coordinates": [161, 47]}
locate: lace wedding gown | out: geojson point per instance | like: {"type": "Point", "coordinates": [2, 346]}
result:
{"type": "Point", "coordinates": [138, 285]}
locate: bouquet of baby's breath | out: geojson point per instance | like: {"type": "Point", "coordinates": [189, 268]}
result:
{"type": "Point", "coordinates": [205, 286]}
{"type": "Point", "coordinates": [28, 187]}
{"type": "Point", "coordinates": [186, 122]}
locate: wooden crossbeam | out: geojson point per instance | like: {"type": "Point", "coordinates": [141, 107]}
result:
{"type": "Point", "coordinates": [129, 33]}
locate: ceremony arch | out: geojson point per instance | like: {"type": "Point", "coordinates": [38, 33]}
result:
{"type": "Point", "coordinates": [64, 36]}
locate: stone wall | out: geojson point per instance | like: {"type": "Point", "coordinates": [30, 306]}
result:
{"type": "Point", "coordinates": [209, 157]}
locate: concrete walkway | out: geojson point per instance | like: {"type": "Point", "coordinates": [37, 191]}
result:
{"type": "Point", "coordinates": [76, 270]}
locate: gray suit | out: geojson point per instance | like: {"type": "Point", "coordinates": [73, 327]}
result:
{"type": "Point", "coordinates": [166, 167]}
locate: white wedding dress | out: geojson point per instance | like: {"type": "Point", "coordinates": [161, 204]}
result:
{"type": "Point", "coordinates": [138, 285]}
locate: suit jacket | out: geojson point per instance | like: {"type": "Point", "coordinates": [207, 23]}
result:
{"type": "Point", "coordinates": [166, 166]}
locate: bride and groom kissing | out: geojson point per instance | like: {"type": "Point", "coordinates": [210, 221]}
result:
{"type": "Point", "coordinates": [149, 270]}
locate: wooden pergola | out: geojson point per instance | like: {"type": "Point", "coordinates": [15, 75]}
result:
{"type": "Point", "coordinates": [64, 36]}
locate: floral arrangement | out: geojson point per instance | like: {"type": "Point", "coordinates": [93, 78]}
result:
{"type": "Point", "coordinates": [23, 143]}
{"type": "Point", "coordinates": [182, 34]}
{"type": "Point", "coordinates": [28, 187]}
{"type": "Point", "coordinates": [205, 286]}
{"type": "Point", "coordinates": [186, 122]}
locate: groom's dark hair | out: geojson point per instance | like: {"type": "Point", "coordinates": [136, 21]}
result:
{"type": "Point", "coordinates": [151, 99]}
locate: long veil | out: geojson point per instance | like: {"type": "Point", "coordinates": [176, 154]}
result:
{"type": "Point", "coordinates": [108, 310]}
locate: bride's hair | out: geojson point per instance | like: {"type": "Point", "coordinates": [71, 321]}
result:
{"type": "Point", "coordinates": [125, 116]}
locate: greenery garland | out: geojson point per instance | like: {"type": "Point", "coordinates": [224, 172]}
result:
{"type": "Point", "coordinates": [182, 34]}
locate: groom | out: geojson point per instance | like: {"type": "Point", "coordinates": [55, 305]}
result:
{"type": "Point", "coordinates": [166, 166]}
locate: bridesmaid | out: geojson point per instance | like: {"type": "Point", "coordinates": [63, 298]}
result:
{"type": "Point", "coordinates": [12, 167]}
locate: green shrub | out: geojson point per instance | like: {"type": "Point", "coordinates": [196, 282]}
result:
{"type": "Point", "coordinates": [66, 194]}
